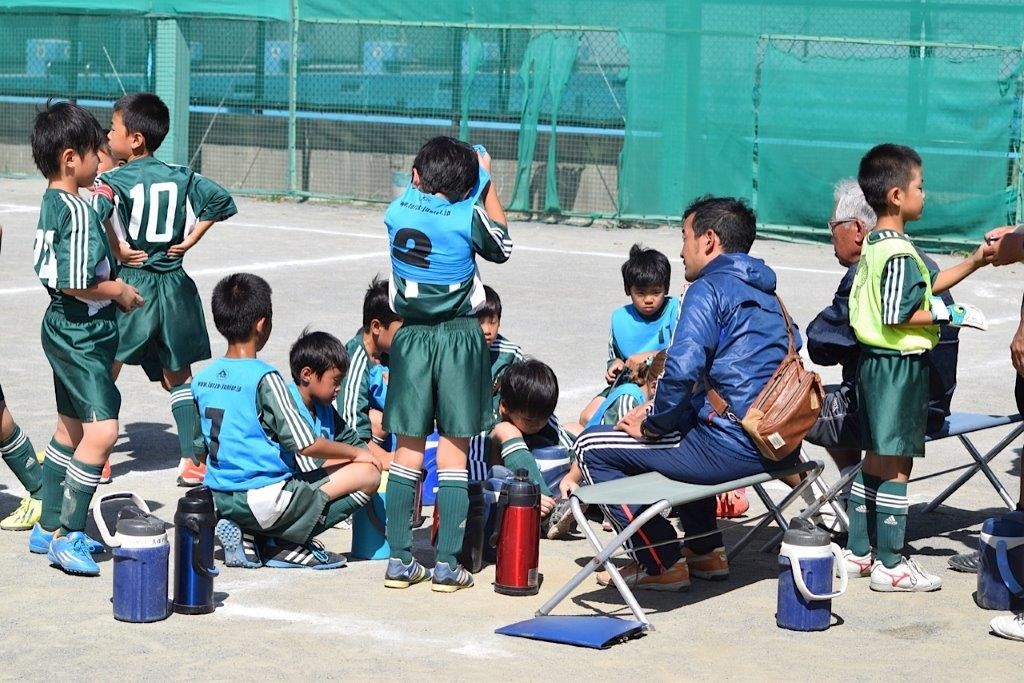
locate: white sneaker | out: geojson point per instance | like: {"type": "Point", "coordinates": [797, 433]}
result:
{"type": "Point", "coordinates": [906, 577]}
{"type": "Point", "coordinates": [1008, 626]}
{"type": "Point", "coordinates": [858, 566]}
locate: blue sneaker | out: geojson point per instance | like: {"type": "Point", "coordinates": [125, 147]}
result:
{"type": "Point", "coordinates": [401, 575]}
{"type": "Point", "coordinates": [71, 553]}
{"type": "Point", "coordinates": [239, 548]}
{"type": "Point", "coordinates": [39, 542]}
{"type": "Point", "coordinates": [448, 580]}
{"type": "Point", "coordinates": [287, 555]}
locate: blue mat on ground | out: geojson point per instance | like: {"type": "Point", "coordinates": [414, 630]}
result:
{"type": "Point", "coordinates": [597, 632]}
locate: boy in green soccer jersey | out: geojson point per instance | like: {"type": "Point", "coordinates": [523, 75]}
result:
{"type": "Point", "coordinates": [255, 429]}
{"type": "Point", "coordinates": [164, 211]}
{"type": "Point", "coordinates": [439, 362]}
{"type": "Point", "coordinates": [368, 353]}
{"type": "Point", "coordinates": [20, 456]}
{"type": "Point", "coordinates": [503, 352]}
{"type": "Point", "coordinates": [79, 333]}
{"type": "Point", "coordinates": [896, 320]}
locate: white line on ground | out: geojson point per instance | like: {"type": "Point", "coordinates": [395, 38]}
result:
{"type": "Point", "coordinates": [273, 265]}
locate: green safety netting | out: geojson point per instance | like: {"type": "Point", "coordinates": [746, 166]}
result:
{"type": "Point", "coordinates": [625, 109]}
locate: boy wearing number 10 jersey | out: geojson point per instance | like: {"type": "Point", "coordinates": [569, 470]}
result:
{"type": "Point", "coordinates": [162, 210]}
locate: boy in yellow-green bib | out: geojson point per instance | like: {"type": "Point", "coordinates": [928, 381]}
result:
{"type": "Point", "coordinates": [896, 318]}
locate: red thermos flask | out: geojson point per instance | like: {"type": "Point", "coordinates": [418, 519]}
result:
{"type": "Point", "coordinates": [517, 535]}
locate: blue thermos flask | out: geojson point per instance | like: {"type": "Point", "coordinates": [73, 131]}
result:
{"type": "Point", "coordinates": [1001, 570]}
{"type": "Point", "coordinates": [805, 577]}
{"type": "Point", "coordinates": [140, 552]}
{"type": "Point", "coordinates": [193, 552]}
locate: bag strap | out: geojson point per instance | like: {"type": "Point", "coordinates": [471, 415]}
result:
{"type": "Point", "coordinates": [719, 404]}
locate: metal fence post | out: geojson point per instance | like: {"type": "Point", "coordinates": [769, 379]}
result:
{"type": "Point", "coordinates": [293, 94]}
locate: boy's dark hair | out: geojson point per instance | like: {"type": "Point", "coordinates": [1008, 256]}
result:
{"type": "Point", "coordinates": [318, 351]}
{"type": "Point", "coordinates": [239, 300]}
{"type": "Point", "coordinates": [377, 304]}
{"type": "Point", "coordinates": [448, 166]}
{"type": "Point", "coordinates": [492, 304]}
{"type": "Point", "coordinates": [731, 219]}
{"type": "Point", "coordinates": [884, 167]}
{"type": "Point", "coordinates": [529, 386]}
{"type": "Point", "coordinates": [646, 268]}
{"type": "Point", "coordinates": [60, 126]}
{"type": "Point", "coordinates": [145, 113]}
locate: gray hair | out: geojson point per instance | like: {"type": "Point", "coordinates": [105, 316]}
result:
{"type": "Point", "coordinates": [850, 203]}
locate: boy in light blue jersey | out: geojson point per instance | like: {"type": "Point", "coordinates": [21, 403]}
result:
{"type": "Point", "coordinates": [254, 431]}
{"type": "Point", "coordinates": [439, 360]}
{"type": "Point", "coordinates": [644, 326]}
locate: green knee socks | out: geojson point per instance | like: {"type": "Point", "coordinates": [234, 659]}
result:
{"type": "Point", "coordinates": [186, 419]}
{"type": "Point", "coordinates": [58, 458]}
{"type": "Point", "coordinates": [80, 484]}
{"type": "Point", "coordinates": [891, 522]}
{"type": "Point", "coordinates": [19, 455]}
{"type": "Point", "coordinates": [452, 507]}
{"type": "Point", "coordinates": [399, 499]}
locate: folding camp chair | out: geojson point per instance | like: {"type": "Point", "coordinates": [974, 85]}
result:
{"type": "Point", "coordinates": [958, 425]}
{"type": "Point", "coordinates": [661, 493]}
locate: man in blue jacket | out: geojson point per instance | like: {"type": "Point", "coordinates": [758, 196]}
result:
{"type": "Point", "coordinates": [731, 335]}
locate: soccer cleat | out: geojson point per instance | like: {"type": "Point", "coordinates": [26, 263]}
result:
{"type": "Point", "coordinates": [448, 580]}
{"type": "Point", "coordinates": [239, 548]}
{"type": "Point", "coordinates": [966, 563]}
{"type": "Point", "coordinates": [105, 476]}
{"type": "Point", "coordinates": [711, 566]}
{"type": "Point", "coordinates": [1008, 626]}
{"type": "Point", "coordinates": [24, 517]}
{"type": "Point", "coordinates": [191, 474]}
{"type": "Point", "coordinates": [858, 565]}
{"type": "Point", "coordinates": [39, 541]}
{"type": "Point", "coordinates": [287, 555]}
{"type": "Point", "coordinates": [906, 577]}
{"type": "Point", "coordinates": [561, 523]}
{"type": "Point", "coordinates": [401, 575]}
{"type": "Point", "coordinates": [71, 553]}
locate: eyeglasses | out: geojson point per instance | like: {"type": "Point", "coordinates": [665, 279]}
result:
{"type": "Point", "coordinates": [836, 222]}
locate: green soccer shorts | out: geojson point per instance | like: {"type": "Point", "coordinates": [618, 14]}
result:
{"type": "Point", "coordinates": [439, 372]}
{"type": "Point", "coordinates": [304, 509]}
{"type": "Point", "coordinates": [892, 397]}
{"type": "Point", "coordinates": [170, 322]}
{"type": "Point", "coordinates": [81, 353]}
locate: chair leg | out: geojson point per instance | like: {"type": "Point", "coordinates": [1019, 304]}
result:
{"type": "Point", "coordinates": [776, 511]}
{"type": "Point", "coordinates": [603, 557]}
{"type": "Point", "coordinates": [980, 463]}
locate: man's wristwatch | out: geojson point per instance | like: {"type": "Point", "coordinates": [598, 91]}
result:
{"type": "Point", "coordinates": [648, 435]}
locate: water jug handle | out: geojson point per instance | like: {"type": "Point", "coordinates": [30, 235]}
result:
{"type": "Point", "coordinates": [801, 586]}
{"type": "Point", "coordinates": [1006, 572]}
{"type": "Point", "coordinates": [97, 514]}
{"type": "Point", "coordinates": [197, 556]}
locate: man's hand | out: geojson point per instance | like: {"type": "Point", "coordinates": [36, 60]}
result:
{"type": "Point", "coordinates": [613, 370]}
{"type": "Point", "coordinates": [1017, 349]}
{"type": "Point", "coordinates": [1006, 245]}
{"type": "Point", "coordinates": [178, 250]}
{"type": "Point", "coordinates": [634, 418]}
{"type": "Point", "coordinates": [128, 300]}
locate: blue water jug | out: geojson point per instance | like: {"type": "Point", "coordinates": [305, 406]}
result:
{"type": "Point", "coordinates": [369, 541]}
{"type": "Point", "coordinates": [1001, 569]}
{"type": "Point", "coordinates": [805, 577]}
{"type": "Point", "coordinates": [140, 551]}
{"type": "Point", "coordinates": [193, 552]}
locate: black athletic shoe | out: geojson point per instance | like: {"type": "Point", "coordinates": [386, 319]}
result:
{"type": "Point", "coordinates": [966, 562]}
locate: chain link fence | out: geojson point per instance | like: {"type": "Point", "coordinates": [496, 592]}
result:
{"type": "Point", "coordinates": [610, 109]}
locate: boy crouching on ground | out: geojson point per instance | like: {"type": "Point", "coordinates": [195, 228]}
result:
{"type": "Point", "coordinates": [251, 424]}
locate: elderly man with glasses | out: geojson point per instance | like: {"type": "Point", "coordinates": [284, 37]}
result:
{"type": "Point", "coordinates": [831, 341]}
